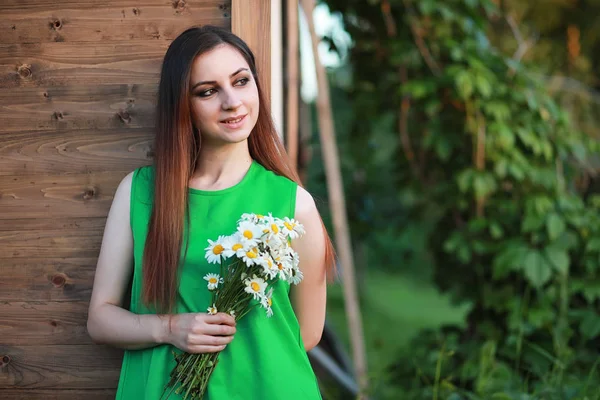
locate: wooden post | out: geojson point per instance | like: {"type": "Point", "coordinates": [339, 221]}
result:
{"type": "Point", "coordinates": [292, 81]}
{"type": "Point", "coordinates": [338, 207]}
{"type": "Point", "coordinates": [251, 21]}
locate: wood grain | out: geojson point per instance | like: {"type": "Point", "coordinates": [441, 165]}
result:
{"type": "Point", "coordinates": [74, 151]}
{"type": "Point", "coordinates": [47, 279]}
{"type": "Point", "coordinates": [72, 64]}
{"type": "Point", "coordinates": [53, 242]}
{"type": "Point", "coordinates": [57, 394]}
{"type": "Point", "coordinates": [58, 196]}
{"type": "Point", "coordinates": [49, 5]}
{"type": "Point", "coordinates": [110, 20]}
{"type": "Point", "coordinates": [60, 366]}
{"type": "Point", "coordinates": [44, 323]}
{"type": "Point", "coordinates": [251, 20]}
{"type": "Point", "coordinates": [78, 107]}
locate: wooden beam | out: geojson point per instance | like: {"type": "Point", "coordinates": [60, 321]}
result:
{"type": "Point", "coordinates": [251, 21]}
{"type": "Point", "coordinates": [292, 105]}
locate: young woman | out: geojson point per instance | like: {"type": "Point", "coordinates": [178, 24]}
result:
{"type": "Point", "coordinates": [217, 156]}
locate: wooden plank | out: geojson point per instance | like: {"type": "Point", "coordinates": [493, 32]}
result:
{"type": "Point", "coordinates": [58, 196]}
{"type": "Point", "coordinates": [52, 242]}
{"type": "Point", "coordinates": [57, 394]}
{"type": "Point", "coordinates": [251, 20]}
{"type": "Point", "coordinates": [44, 323]}
{"type": "Point", "coordinates": [75, 151]}
{"type": "Point", "coordinates": [60, 366]}
{"type": "Point", "coordinates": [78, 107]}
{"type": "Point", "coordinates": [49, 5]}
{"type": "Point", "coordinates": [86, 21]}
{"type": "Point", "coordinates": [47, 279]}
{"type": "Point", "coordinates": [95, 63]}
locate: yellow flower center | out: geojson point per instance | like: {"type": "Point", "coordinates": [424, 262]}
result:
{"type": "Point", "coordinates": [280, 266]}
{"type": "Point", "coordinates": [218, 249]}
{"type": "Point", "coordinates": [270, 302]}
{"type": "Point", "coordinates": [251, 254]}
{"type": "Point", "coordinates": [255, 286]}
{"type": "Point", "coordinates": [248, 234]}
{"type": "Point", "coordinates": [274, 228]}
{"type": "Point", "coordinates": [288, 225]}
{"type": "Point", "coordinates": [265, 231]}
{"type": "Point", "coordinates": [259, 216]}
{"type": "Point", "coordinates": [236, 247]}
{"type": "Point", "coordinates": [212, 280]}
{"type": "Point", "coordinates": [270, 263]}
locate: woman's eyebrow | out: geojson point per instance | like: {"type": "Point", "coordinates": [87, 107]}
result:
{"type": "Point", "coordinates": [215, 82]}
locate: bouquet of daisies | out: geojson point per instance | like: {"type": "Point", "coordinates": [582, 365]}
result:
{"type": "Point", "coordinates": [251, 260]}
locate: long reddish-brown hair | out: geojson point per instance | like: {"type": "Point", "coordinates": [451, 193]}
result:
{"type": "Point", "coordinates": [176, 148]}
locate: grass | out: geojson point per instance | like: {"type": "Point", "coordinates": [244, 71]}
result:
{"type": "Point", "coordinates": [394, 309]}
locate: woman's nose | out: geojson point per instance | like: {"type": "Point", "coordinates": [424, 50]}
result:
{"type": "Point", "coordinates": [231, 101]}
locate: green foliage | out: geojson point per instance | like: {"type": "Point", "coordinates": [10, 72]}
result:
{"type": "Point", "coordinates": [457, 146]}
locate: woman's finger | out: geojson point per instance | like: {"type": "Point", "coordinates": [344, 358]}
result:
{"type": "Point", "coordinates": [205, 349]}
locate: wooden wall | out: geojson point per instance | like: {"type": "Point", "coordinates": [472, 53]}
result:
{"type": "Point", "coordinates": [78, 80]}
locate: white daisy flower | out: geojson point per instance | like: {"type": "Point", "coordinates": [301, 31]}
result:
{"type": "Point", "coordinates": [296, 276]}
{"type": "Point", "coordinates": [212, 310]}
{"type": "Point", "coordinates": [251, 232]}
{"type": "Point", "coordinates": [269, 267]}
{"type": "Point", "coordinates": [235, 244]}
{"type": "Point", "coordinates": [284, 269]}
{"type": "Point", "coordinates": [232, 313]}
{"type": "Point", "coordinates": [251, 257]}
{"type": "Point", "coordinates": [272, 226]}
{"type": "Point", "coordinates": [267, 302]}
{"type": "Point", "coordinates": [275, 244]}
{"type": "Point", "coordinates": [214, 251]}
{"type": "Point", "coordinates": [292, 228]}
{"type": "Point", "coordinates": [213, 280]}
{"type": "Point", "coordinates": [248, 217]}
{"type": "Point", "coordinates": [255, 286]}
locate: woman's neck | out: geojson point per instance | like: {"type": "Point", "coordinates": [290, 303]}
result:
{"type": "Point", "coordinates": [221, 167]}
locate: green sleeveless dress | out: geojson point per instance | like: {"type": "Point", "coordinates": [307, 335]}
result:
{"type": "Point", "coordinates": [266, 360]}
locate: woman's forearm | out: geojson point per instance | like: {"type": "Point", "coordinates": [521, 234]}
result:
{"type": "Point", "coordinates": [115, 326]}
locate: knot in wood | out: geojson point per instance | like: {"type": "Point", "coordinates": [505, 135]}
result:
{"type": "Point", "coordinates": [179, 4]}
{"type": "Point", "coordinates": [89, 194]}
{"type": "Point", "coordinates": [58, 115]}
{"type": "Point", "coordinates": [24, 71]}
{"type": "Point", "coordinates": [59, 280]}
{"type": "Point", "coordinates": [124, 116]}
{"type": "Point", "coordinates": [5, 360]}
{"type": "Point", "coordinates": [56, 24]}
{"type": "Point", "coordinates": [53, 323]}
{"type": "Point", "coordinates": [136, 11]}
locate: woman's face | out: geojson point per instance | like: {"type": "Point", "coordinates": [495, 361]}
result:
{"type": "Point", "coordinates": [223, 97]}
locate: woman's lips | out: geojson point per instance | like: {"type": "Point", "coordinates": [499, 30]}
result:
{"type": "Point", "coordinates": [234, 123]}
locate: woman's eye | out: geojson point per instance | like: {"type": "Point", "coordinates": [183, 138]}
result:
{"type": "Point", "coordinates": [242, 81]}
{"type": "Point", "coordinates": [206, 93]}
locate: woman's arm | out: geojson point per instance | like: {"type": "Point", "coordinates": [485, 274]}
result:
{"type": "Point", "coordinates": [109, 323]}
{"type": "Point", "coordinates": [310, 296]}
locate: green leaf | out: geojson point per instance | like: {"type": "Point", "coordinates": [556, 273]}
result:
{"type": "Point", "coordinates": [511, 258]}
{"type": "Point", "coordinates": [555, 226]}
{"type": "Point", "coordinates": [464, 84]}
{"type": "Point", "coordinates": [532, 222]}
{"type": "Point", "coordinates": [558, 258]}
{"type": "Point", "coordinates": [590, 326]}
{"type": "Point", "coordinates": [593, 244]}
{"type": "Point", "coordinates": [496, 230]}
{"type": "Point", "coordinates": [483, 185]}
{"type": "Point", "coordinates": [537, 270]}
{"type": "Point", "coordinates": [483, 86]}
